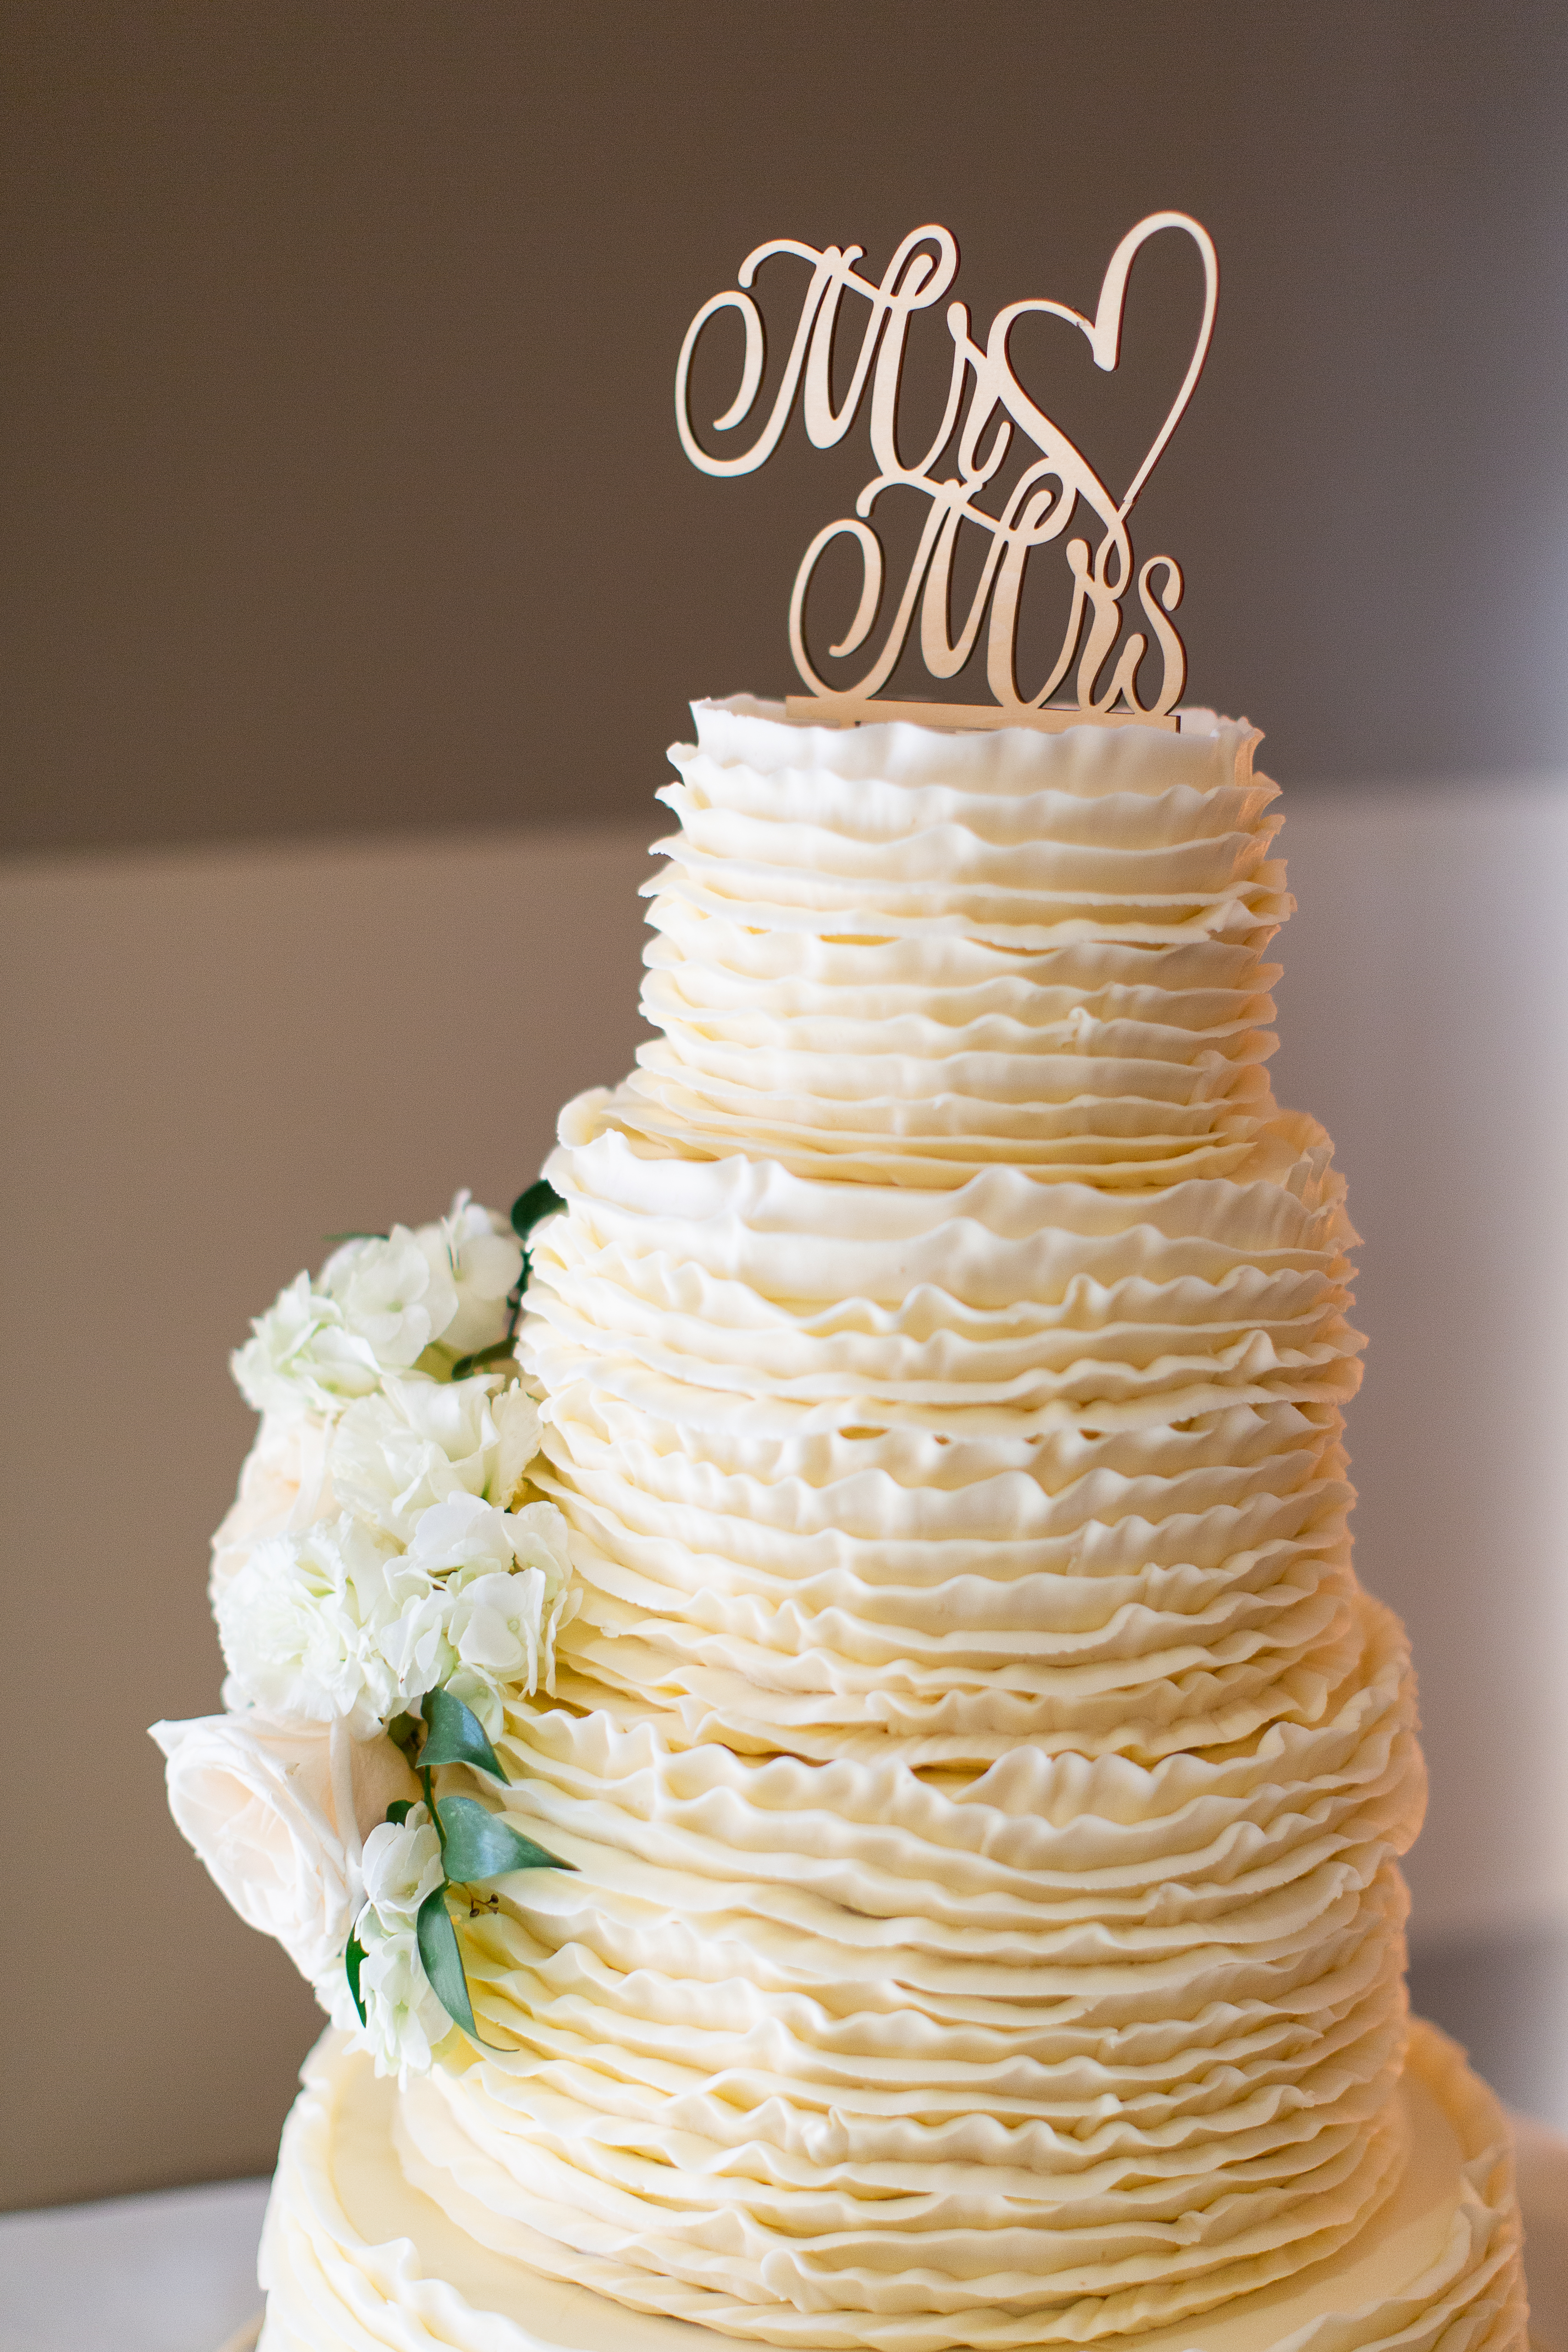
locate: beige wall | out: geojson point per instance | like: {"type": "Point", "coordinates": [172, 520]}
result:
{"type": "Point", "coordinates": [216, 1056]}
{"type": "Point", "coordinates": [214, 1059]}
{"type": "Point", "coordinates": [337, 459]}
{"type": "Point", "coordinates": [1424, 1018]}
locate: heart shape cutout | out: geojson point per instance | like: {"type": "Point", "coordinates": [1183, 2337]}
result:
{"type": "Point", "coordinates": [1103, 334]}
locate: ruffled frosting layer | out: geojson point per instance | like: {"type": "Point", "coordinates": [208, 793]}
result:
{"type": "Point", "coordinates": [902, 956]}
{"type": "Point", "coordinates": [850, 1464]}
{"type": "Point", "coordinates": [355, 2256]}
{"type": "Point", "coordinates": [845, 2054]}
{"type": "Point", "coordinates": [985, 1779]}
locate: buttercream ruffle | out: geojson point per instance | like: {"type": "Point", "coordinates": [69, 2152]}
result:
{"type": "Point", "coordinates": [985, 1777]}
{"type": "Point", "coordinates": [354, 2257]}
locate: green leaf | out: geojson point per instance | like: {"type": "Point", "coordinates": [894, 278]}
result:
{"type": "Point", "coordinates": [443, 1961]}
{"type": "Point", "coordinates": [404, 1732]}
{"type": "Point", "coordinates": [495, 1353]}
{"type": "Point", "coordinates": [540, 1200]}
{"type": "Point", "coordinates": [353, 1237]}
{"type": "Point", "coordinates": [400, 1809]}
{"type": "Point", "coordinates": [455, 1737]}
{"type": "Point", "coordinates": [479, 1845]}
{"type": "Point", "coordinates": [353, 1961]}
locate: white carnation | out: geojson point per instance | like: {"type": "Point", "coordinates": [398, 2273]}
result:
{"type": "Point", "coordinates": [257, 1801]}
{"type": "Point", "coordinates": [301, 1621]}
{"type": "Point", "coordinates": [401, 1866]}
{"type": "Point", "coordinates": [403, 2020]}
{"type": "Point", "coordinates": [422, 1442]}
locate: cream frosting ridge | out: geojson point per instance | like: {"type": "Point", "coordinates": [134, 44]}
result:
{"type": "Point", "coordinates": [353, 2255]}
{"type": "Point", "coordinates": [985, 1777]}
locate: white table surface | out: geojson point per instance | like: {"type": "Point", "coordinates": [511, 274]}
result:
{"type": "Point", "coordinates": [176, 2273]}
{"type": "Point", "coordinates": [172, 2272]}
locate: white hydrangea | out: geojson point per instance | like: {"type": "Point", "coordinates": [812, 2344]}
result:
{"type": "Point", "coordinates": [404, 2023]}
{"type": "Point", "coordinates": [466, 1536]}
{"type": "Point", "coordinates": [420, 1441]}
{"type": "Point", "coordinates": [398, 1295]}
{"type": "Point", "coordinates": [284, 1486]}
{"type": "Point", "coordinates": [374, 1551]}
{"type": "Point", "coordinates": [518, 1434]}
{"type": "Point", "coordinates": [378, 1306]}
{"type": "Point", "coordinates": [484, 1257]}
{"type": "Point", "coordinates": [303, 1623]}
{"type": "Point", "coordinates": [401, 1866]}
{"type": "Point", "coordinates": [483, 1593]}
{"type": "Point", "coordinates": [501, 1629]}
{"type": "Point", "coordinates": [301, 1356]}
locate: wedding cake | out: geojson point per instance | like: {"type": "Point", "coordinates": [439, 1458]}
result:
{"type": "Point", "coordinates": [889, 1637]}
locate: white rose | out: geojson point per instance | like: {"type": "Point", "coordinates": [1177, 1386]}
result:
{"type": "Point", "coordinates": [485, 1258]}
{"type": "Point", "coordinates": [403, 2020]}
{"type": "Point", "coordinates": [300, 1622]}
{"type": "Point", "coordinates": [302, 1357]}
{"type": "Point", "coordinates": [255, 1800]}
{"type": "Point", "coordinates": [401, 1866]}
{"type": "Point", "coordinates": [395, 1296]}
{"type": "Point", "coordinates": [422, 1442]}
{"type": "Point", "coordinates": [284, 1486]}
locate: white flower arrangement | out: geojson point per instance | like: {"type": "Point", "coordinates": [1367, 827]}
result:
{"type": "Point", "coordinates": [384, 1587]}
{"type": "Point", "coordinates": [384, 1303]}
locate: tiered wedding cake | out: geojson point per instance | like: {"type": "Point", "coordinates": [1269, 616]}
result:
{"type": "Point", "coordinates": [982, 1777]}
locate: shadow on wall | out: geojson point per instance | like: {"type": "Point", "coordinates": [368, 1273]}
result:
{"type": "Point", "coordinates": [1422, 1018]}
{"type": "Point", "coordinates": [1506, 1999]}
{"type": "Point", "coordinates": [217, 1058]}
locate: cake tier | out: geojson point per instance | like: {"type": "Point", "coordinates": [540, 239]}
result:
{"type": "Point", "coordinates": [903, 955]}
{"type": "Point", "coordinates": [355, 2258]}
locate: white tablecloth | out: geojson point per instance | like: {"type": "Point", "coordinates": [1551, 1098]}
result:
{"type": "Point", "coordinates": [176, 2273]}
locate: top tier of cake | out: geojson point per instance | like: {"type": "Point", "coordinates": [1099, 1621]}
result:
{"type": "Point", "coordinates": [897, 955]}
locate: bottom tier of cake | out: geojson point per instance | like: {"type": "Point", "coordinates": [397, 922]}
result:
{"type": "Point", "coordinates": [353, 2257]}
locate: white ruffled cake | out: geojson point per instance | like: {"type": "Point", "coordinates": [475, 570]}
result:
{"type": "Point", "coordinates": [984, 1776]}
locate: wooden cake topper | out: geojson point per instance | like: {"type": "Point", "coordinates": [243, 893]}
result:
{"type": "Point", "coordinates": [1099, 660]}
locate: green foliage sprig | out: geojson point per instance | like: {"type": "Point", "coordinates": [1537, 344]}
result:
{"type": "Point", "coordinates": [476, 1847]}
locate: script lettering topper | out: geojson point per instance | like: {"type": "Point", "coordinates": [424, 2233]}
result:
{"type": "Point", "coordinates": [1101, 658]}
